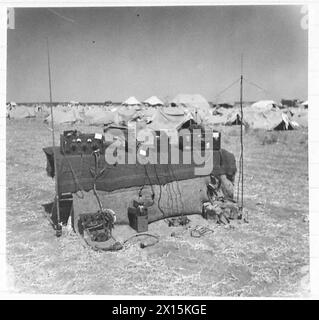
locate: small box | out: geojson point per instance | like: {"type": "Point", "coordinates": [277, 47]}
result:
{"type": "Point", "coordinates": [211, 140]}
{"type": "Point", "coordinates": [137, 222]}
{"type": "Point", "coordinates": [216, 140]}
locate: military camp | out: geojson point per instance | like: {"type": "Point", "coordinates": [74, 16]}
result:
{"type": "Point", "coordinates": [157, 152]}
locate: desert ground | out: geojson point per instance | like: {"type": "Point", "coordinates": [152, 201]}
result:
{"type": "Point", "coordinates": [268, 256]}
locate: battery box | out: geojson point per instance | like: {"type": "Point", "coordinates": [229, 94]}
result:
{"type": "Point", "coordinates": [138, 218]}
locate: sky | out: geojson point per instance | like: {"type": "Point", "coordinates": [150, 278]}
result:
{"type": "Point", "coordinates": [100, 54]}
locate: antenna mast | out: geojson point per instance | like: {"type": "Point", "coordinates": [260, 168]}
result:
{"type": "Point", "coordinates": [241, 138]}
{"type": "Point", "coordinates": [56, 199]}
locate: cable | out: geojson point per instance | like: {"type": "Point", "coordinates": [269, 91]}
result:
{"type": "Point", "coordinates": [171, 187]}
{"type": "Point", "coordinates": [255, 85]}
{"type": "Point", "coordinates": [228, 87]}
{"type": "Point", "coordinates": [169, 198]}
{"type": "Point", "coordinates": [77, 183]}
{"type": "Point", "coordinates": [61, 16]}
{"type": "Point", "coordinates": [175, 194]}
{"type": "Point", "coordinates": [141, 189]}
{"type": "Point", "coordinates": [178, 189]}
{"type": "Point", "coordinates": [150, 182]}
{"type": "Point", "coordinates": [160, 194]}
{"type": "Point", "coordinates": [96, 175]}
{"type": "Point", "coordinates": [143, 245]}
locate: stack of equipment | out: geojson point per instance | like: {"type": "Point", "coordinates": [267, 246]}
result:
{"type": "Point", "coordinates": [74, 142]}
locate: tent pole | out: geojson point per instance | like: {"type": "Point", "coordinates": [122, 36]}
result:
{"type": "Point", "coordinates": [56, 199]}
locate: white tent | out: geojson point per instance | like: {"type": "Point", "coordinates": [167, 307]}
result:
{"type": "Point", "coordinates": [154, 101]}
{"type": "Point", "coordinates": [273, 119]}
{"type": "Point", "coordinates": [60, 117]}
{"type": "Point", "coordinates": [131, 101]}
{"type": "Point", "coordinates": [300, 115]}
{"type": "Point", "coordinates": [21, 112]}
{"type": "Point", "coordinates": [98, 116]}
{"type": "Point", "coordinates": [192, 101]}
{"type": "Point", "coordinates": [305, 104]}
{"type": "Point", "coordinates": [264, 105]}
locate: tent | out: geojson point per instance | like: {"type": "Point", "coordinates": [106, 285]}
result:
{"type": "Point", "coordinates": [12, 104]}
{"type": "Point", "coordinates": [301, 117]}
{"type": "Point", "coordinates": [21, 112]}
{"type": "Point", "coordinates": [73, 103]}
{"type": "Point", "coordinates": [264, 105]}
{"type": "Point", "coordinates": [153, 101]}
{"type": "Point", "coordinates": [9, 107]}
{"type": "Point", "coordinates": [45, 110]}
{"type": "Point", "coordinates": [125, 114]}
{"type": "Point", "coordinates": [272, 119]}
{"type": "Point", "coordinates": [60, 117]}
{"type": "Point", "coordinates": [131, 101]}
{"type": "Point", "coordinates": [234, 118]}
{"type": "Point", "coordinates": [305, 104]}
{"type": "Point", "coordinates": [269, 120]}
{"type": "Point", "coordinates": [148, 113]}
{"type": "Point", "coordinates": [221, 116]}
{"type": "Point", "coordinates": [192, 101]}
{"type": "Point", "coordinates": [97, 116]}
{"type": "Point", "coordinates": [168, 121]}
{"type": "Point", "coordinates": [174, 111]}
{"type": "Point", "coordinates": [280, 121]}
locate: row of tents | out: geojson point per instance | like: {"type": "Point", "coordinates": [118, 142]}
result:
{"type": "Point", "coordinates": [153, 101]}
{"type": "Point", "coordinates": [265, 114]}
{"type": "Point", "coordinates": [257, 118]}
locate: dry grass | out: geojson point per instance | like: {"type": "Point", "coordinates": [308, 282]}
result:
{"type": "Point", "coordinates": [269, 256]}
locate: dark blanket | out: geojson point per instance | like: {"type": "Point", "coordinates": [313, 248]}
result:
{"type": "Point", "coordinates": [74, 172]}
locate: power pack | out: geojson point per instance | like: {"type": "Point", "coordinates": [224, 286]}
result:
{"type": "Point", "coordinates": [97, 226]}
{"type": "Point", "coordinates": [138, 218]}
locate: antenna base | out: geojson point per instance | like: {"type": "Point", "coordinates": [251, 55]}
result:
{"type": "Point", "coordinates": [58, 231]}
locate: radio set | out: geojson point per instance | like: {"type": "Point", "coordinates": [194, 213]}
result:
{"type": "Point", "coordinates": [74, 142]}
{"type": "Point", "coordinates": [206, 140]}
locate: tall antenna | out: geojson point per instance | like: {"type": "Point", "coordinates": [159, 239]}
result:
{"type": "Point", "coordinates": [241, 136]}
{"type": "Point", "coordinates": [56, 199]}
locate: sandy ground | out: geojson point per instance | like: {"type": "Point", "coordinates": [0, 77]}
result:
{"type": "Point", "coordinates": [269, 256]}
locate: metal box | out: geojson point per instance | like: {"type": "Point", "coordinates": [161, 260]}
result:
{"type": "Point", "coordinates": [137, 221]}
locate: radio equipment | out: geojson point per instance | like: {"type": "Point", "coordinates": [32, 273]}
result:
{"type": "Point", "coordinates": [74, 142]}
{"type": "Point", "coordinates": [98, 226]}
{"type": "Point", "coordinates": [205, 140]}
{"type": "Point", "coordinates": [213, 140]}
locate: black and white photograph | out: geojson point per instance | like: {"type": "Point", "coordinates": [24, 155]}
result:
{"type": "Point", "coordinates": [157, 151]}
